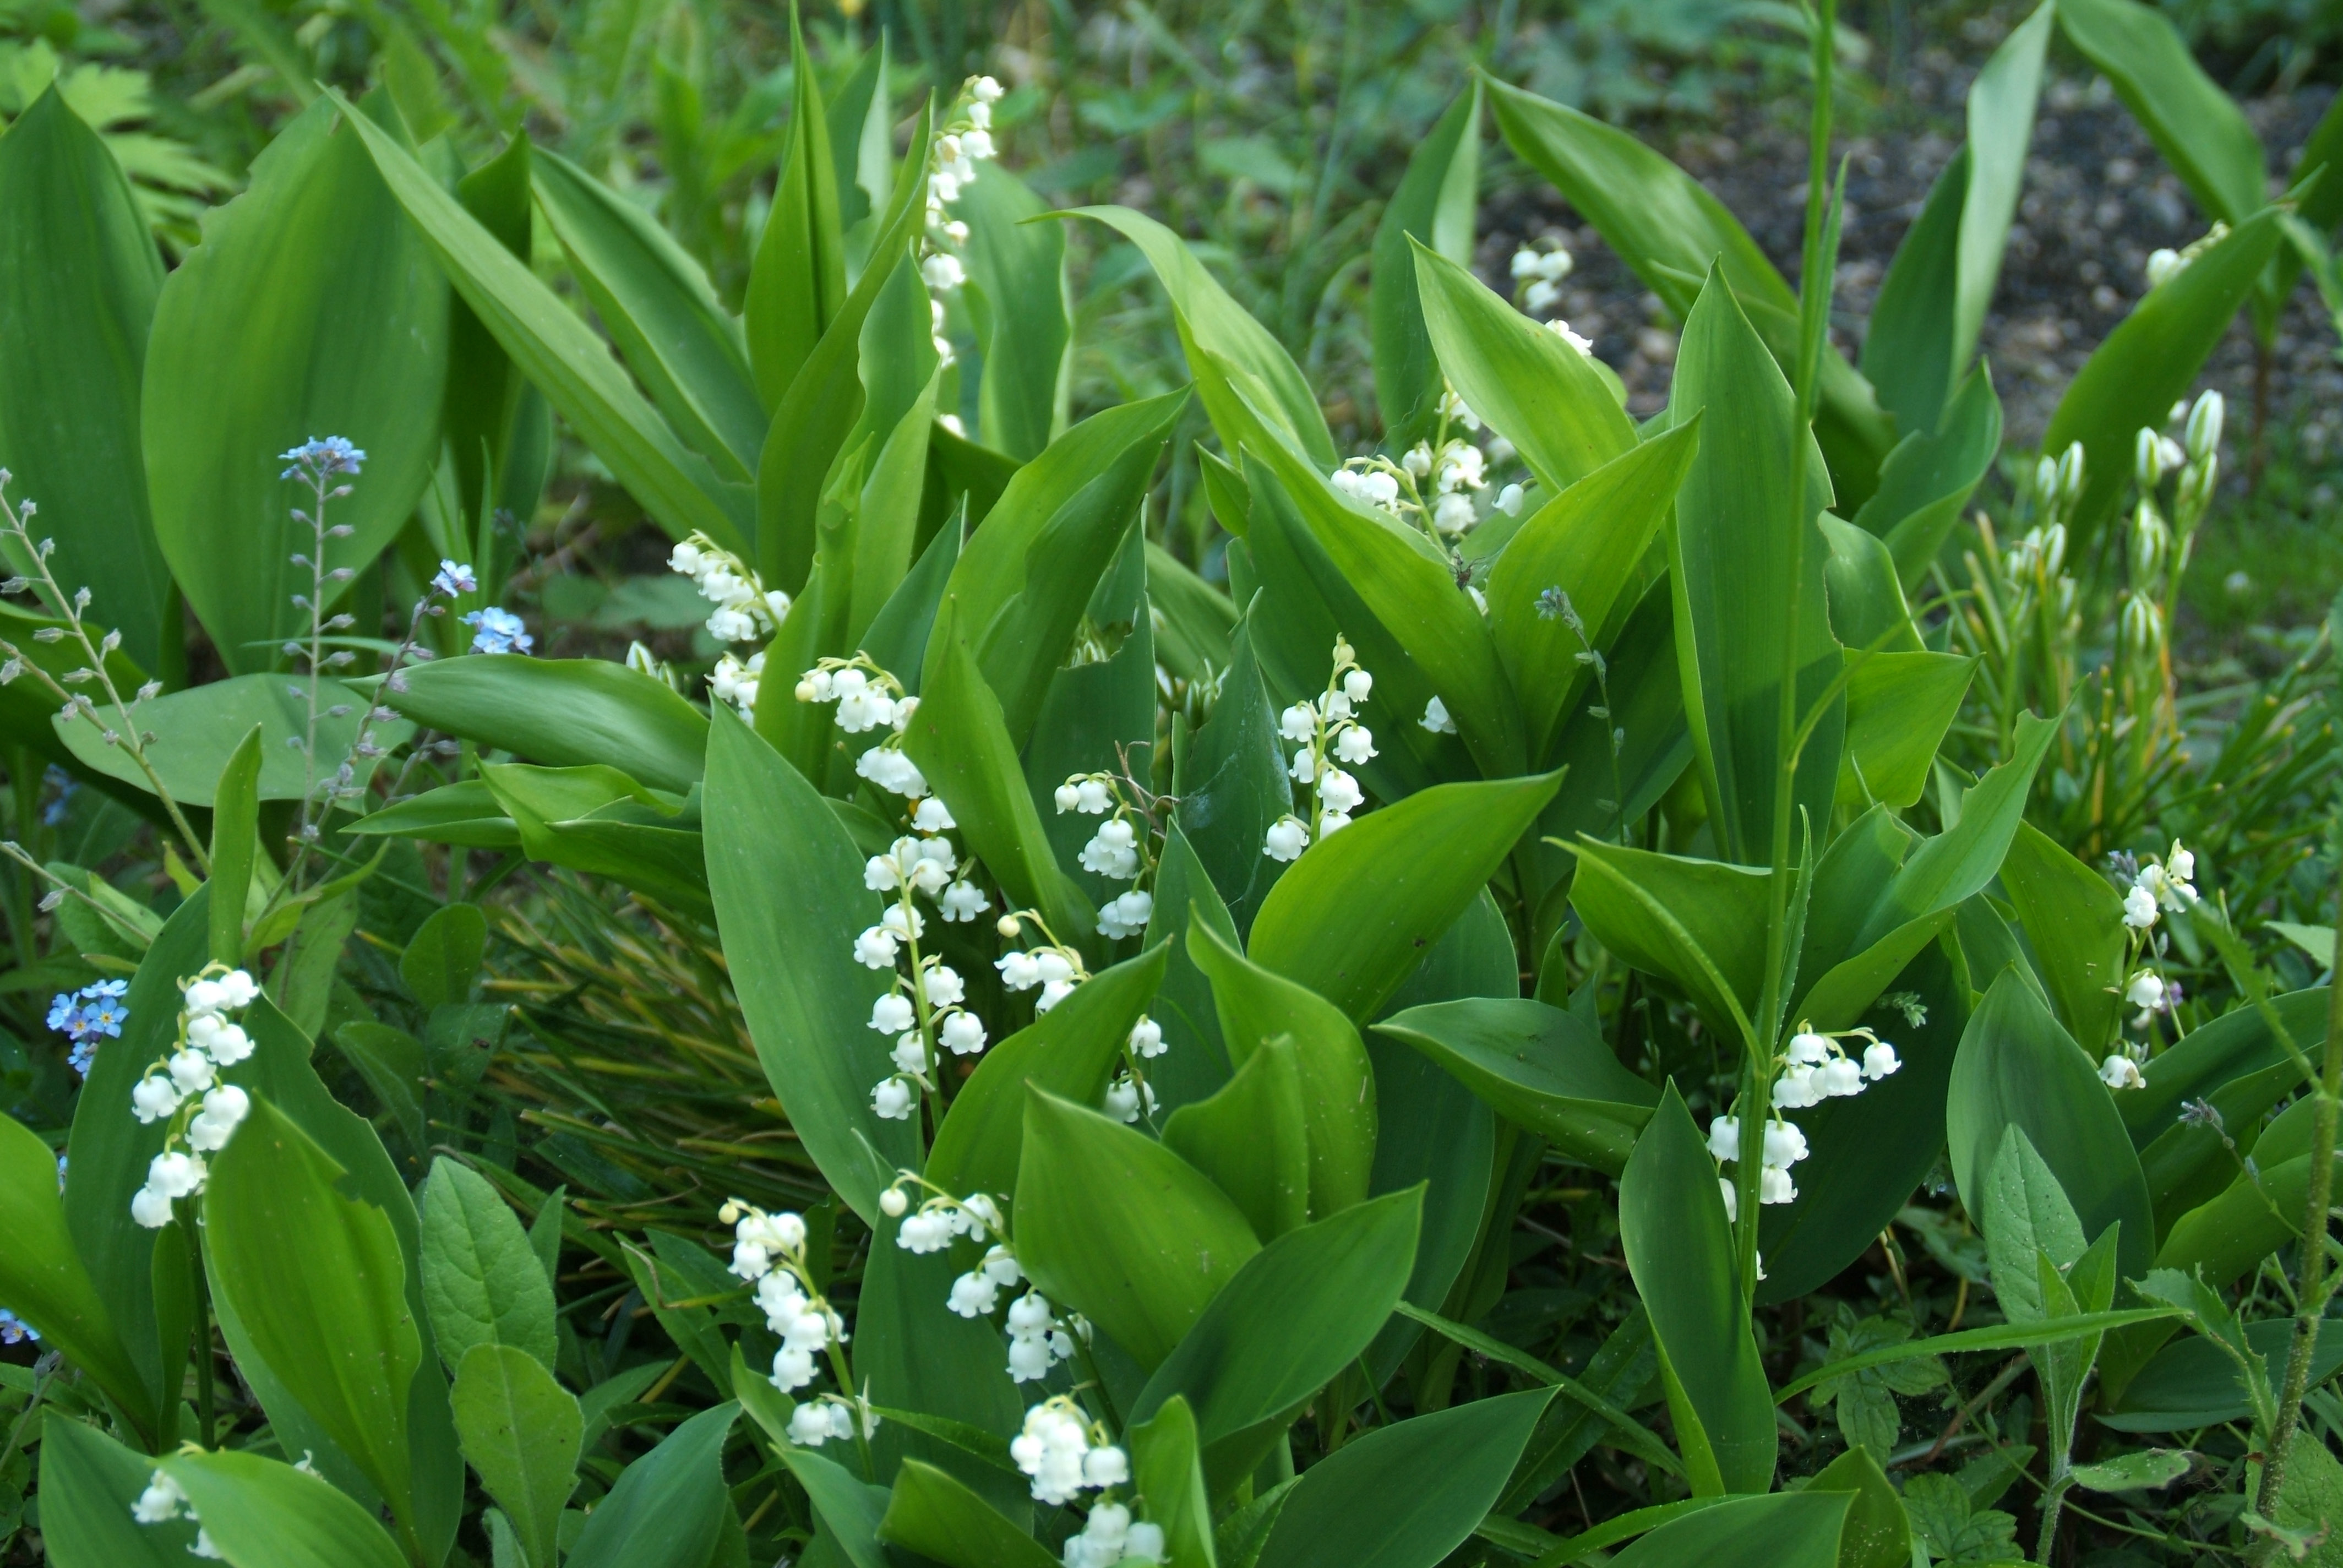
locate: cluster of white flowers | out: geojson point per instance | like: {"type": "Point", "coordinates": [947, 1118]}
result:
{"type": "Point", "coordinates": [1053, 966]}
{"type": "Point", "coordinates": [1108, 1537]}
{"type": "Point", "coordinates": [1538, 274]}
{"type": "Point", "coordinates": [1815, 1066]}
{"type": "Point", "coordinates": [1331, 740]}
{"type": "Point", "coordinates": [769, 1251]}
{"type": "Point", "coordinates": [746, 611]}
{"type": "Point", "coordinates": [965, 141]}
{"type": "Point", "coordinates": [1065, 1453]}
{"type": "Point", "coordinates": [2168, 885]}
{"type": "Point", "coordinates": [1785, 1145]}
{"type": "Point", "coordinates": [163, 1502]}
{"type": "Point", "coordinates": [1122, 850]}
{"type": "Point", "coordinates": [2152, 994]}
{"type": "Point", "coordinates": [2164, 264]}
{"type": "Point", "coordinates": [1038, 1339]}
{"type": "Point", "coordinates": [208, 1041]}
{"type": "Point", "coordinates": [2154, 889]}
{"type": "Point", "coordinates": [1434, 480]}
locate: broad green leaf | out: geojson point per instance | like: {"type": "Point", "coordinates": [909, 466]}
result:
{"type": "Point", "coordinates": [2198, 127]}
{"type": "Point", "coordinates": [2000, 112]}
{"type": "Point", "coordinates": [1300, 1310]}
{"type": "Point", "coordinates": [797, 284]}
{"type": "Point", "coordinates": [2132, 377]}
{"type": "Point", "coordinates": [1249, 384]}
{"type": "Point", "coordinates": [2016, 1067]}
{"type": "Point", "coordinates": [394, 1065]}
{"type": "Point", "coordinates": [1671, 231]}
{"type": "Point", "coordinates": [2025, 1211]}
{"type": "Point", "coordinates": [78, 278]}
{"type": "Point", "coordinates": [1396, 877]}
{"type": "Point", "coordinates": [849, 1510]}
{"type": "Point", "coordinates": [1679, 1248]}
{"type": "Point", "coordinates": [236, 831]}
{"type": "Point", "coordinates": [2074, 922]}
{"type": "Point", "coordinates": [441, 964]}
{"type": "Point", "coordinates": [482, 1281]}
{"type": "Point", "coordinates": [1784, 1529]}
{"type": "Point", "coordinates": [199, 729]}
{"type": "Point", "coordinates": [1073, 1050]}
{"type": "Point", "coordinates": [1589, 542]}
{"type": "Point", "coordinates": [465, 813]}
{"type": "Point", "coordinates": [482, 416]}
{"type": "Point", "coordinates": [655, 303]}
{"type": "Point", "coordinates": [1898, 708]}
{"type": "Point", "coordinates": [565, 712]}
{"type": "Point", "coordinates": [1648, 694]}
{"type": "Point", "coordinates": [787, 883]}
{"type": "Point", "coordinates": [1928, 479]}
{"type": "Point", "coordinates": [887, 512]}
{"type": "Point", "coordinates": [1376, 1501]}
{"type": "Point", "coordinates": [1411, 591]}
{"type": "Point", "coordinates": [1908, 350]}
{"type": "Point", "coordinates": [668, 1507]}
{"type": "Point", "coordinates": [87, 1484]}
{"type": "Point", "coordinates": [1868, 613]}
{"type": "Point", "coordinates": [2195, 1383]}
{"type": "Point", "coordinates": [316, 1281]}
{"type": "Point", "coordinates": [897, 635]}
{"type": "Point", "coordinates": [1523, 381]}
{"type": "Point", "coordinates": [1701, 923]}
{"type": "Point", "coordinates": [1233, 785]}
{"type": "Point", "coordinates": [1167, 1469]}
{"type": "Point", "coordinates": [1337, 1083]}
{"type": "Point", "coordinates": [1195, 1062]}
{"type": "Point", "coordinates": [311, 308]}
{"type": "Point", "coordinates": [1540, 1067]}
{"type": "Point", "coordinates": [1877, 1533]}
{"type": "Point", "coordinates": [961, 743]}
{"type": "Point", "coordinates": [562, 357]}
{"type": "Point", "coordinates": [934, 1515]}
{"type": "Point", "coordinates": [265, 1513]}
{"type": "Point", "coordinates": [2230, 1047]}
{"type": "Point", "coordinates": [2230, 1235]}
{"type": "Point", "coordinates": [1743, 546]}
{"type": "Point", "coordinates": [1099, 716]}
{"type": "Point", "coordinates": [41, 1277]}
{"type": "Point", "coordinates": [1120, 1229]}
{"type": "Point", "coordinates": [1021, 302]}
{"type": "Point", "coordinates": [521, 1430]}
{"type": "Point", "coordinates": [814, 417]}
{"type": "Point", "coordinates": [1253, 1139]}
{"type": "Point", "coordinates": [1433, 205]}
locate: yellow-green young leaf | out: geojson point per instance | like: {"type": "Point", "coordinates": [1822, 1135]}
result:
{"type": "Point", "coordinates": [1898, 708]}
{"type": "Point", "coordinates": [1523, 381]}
{"type": "Point", "coordinates": [2074, 922]}
{"type": "Point", "coordinates": [1353, 916]}
{"type": "Point", "coordinates": [1114, 1225]}
{"type": "Point", "coordinates": [1019, 296]}
{"type": "Point", "coordinates": [1433, 206]}
{"type": "Point", "coordinates": [78, 276]}
{"type": "Point", "coordinates": [235, 829]}
{"type": "Point", "coordinates": [1700, 923]}
{"type": "Point", "coordinates": [1588, 542]}
{"type": "Point", "coordinates": [311, 308]}
{"type": "Point", "coordinates": [932, 1513]}
{"type": "Point", "coordinates": [268, 1514]}
{"type": "Point", "coordinates": [2132, 378]}
{"type": "Point", "coordinates": [1538, 1067]}
{"type": "Point", "coordinates": [482, 1283]}
{"type": "Point", "coordinates": [1867, 609]}
{"type": "Point", "coordinates": [521, 1430]}
{"type": "Point", "coordinates": [563, 359]}
{"type": "Point", "coordinates": [797, 285]}
{"type": "Point", "coordinates": [318, 1283]}
{"type": "Point", "coordinates": [655, 303]}
{"type": "Point", "coordinates": [1073, 1049]}
{"type": "Point", "coordinates": [668, 1507]}
{"type": "Point", "coordinates": [41, 1277]}
{"type": "Point", "coordinates": [565, 712]}
{"type": "Point", "coordinates": [1257, 396]}
{"type": "Point", "coordinates": [787, 883]}
{"type": "Point", "coordinates": [1253, 1137]}
{"type": "Point", "coordinates": [88, 1484]}
{"type": "Point", "coordinates": [1679, 1248]}
{"type": "Point", "coordinates": [1256, 1005]}
{"type": "Point", "coordinates": [1167, 1469]}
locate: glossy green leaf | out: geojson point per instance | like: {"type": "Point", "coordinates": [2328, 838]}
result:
{"type": "Point", "coordinates": [797, 284]}
{"type": "Point", "coordinates": [1396, 879]}
{"type": "Point", "coordinates": [88, 1482]}
{"type": "Point", "coordinates": [265, 1513]}
{"type": "Point", "coordinates": [1590, 542]}
{"type": "Point", "coordinates": [199, 729]}
{"type": "Point", "coordinates": [1524, 382]}
{"type": "Point", "coordinates": [42, 1276]}
{"type": "Point", "coordinates": [787, 882]}
{"type": "Point", "coordinates": [2230, 1235]}
{"type": "Point", "coordinates": [317, 1279]}
{"type": "Point", "coordinates": [1021, 302]}
{"type": "Point", "coordinates": [1197, 619]}
{"type": "Point", "coordinates": [482, 1281]}
{"type": "Point", "coordinates": [1433, 205]}
{"type": "Point", "coordinates": [1115, 1225]}
{"type": "Point", "coordinates": [1701, 923]}
{"type": "Point", "coordinates": [1899, 709]}
{"type": "Point", "coordinates": [1648, 695]}
{"type": "Point", "coordinates": [655, 303]}
{"type": "Point", "coordinates": [2198, 127]}
{"type": "Point", "coordinates": [2152, 359]}
{"type": "Point", "coordinates": [78, 278]}
{"type": "Point", "coordinates": [2074, 921]}
{"type": "Point", "coordinates": [1997, 1337]}
{"type": "Point", "coordinates": [311, 308]}
{"type": "Point", "coordinates": [1166, 1468]}
{"type": "Point", "coordinates": [1908, 351]}
{"type": "Point", "coordinates": [1255, 1005]}
{"type": "Point", "coordinates": [1073, 1050]}
{"type": "Point", "coordinates": [1784, 1529]}
{"type": "Point", "coordinates": [1253, 1139]}
{"type": "Point", "coordinates": [1928, 479]}
{"type": "Point", "coordinates": [521, 1430]}
{"type": "Point", "coordinates": [849, 1509]}
{"type": "Point", "coordinates": [934, 1515]}
{"type": "Point", "coordinates": [1248, 382]}
{"type": "Point", "coordinates": [488, 409]}
{"type": "Point", "coordinates": [2024, 1211]}
{"type": "Point", "coordinates": [668, 1507]}
{"type": "Point", "coordinates": [1233, 785]}
{"type": "Point", "coordinates": [1195, 1062]}
{"type": "Point", "coordinates": [565, 712]}
{"type": "Point", "coordinates": [1301, 1310]}
{"type": "Point", "coordinates": [563, 359]}
{"type": "Point", "coordinates": [1542, 1069]}
{"type": "Point", "coordinates": [465, 813]}
{"type": "Point", "coordinates": [1376, 1501]}
{"type": "Point", "coordinates": [2017, 1067]}
{"type": "Point", "coordinates": [1877, 1533]}
{"type": "Point", "coordinates": [2000, 115]}
{"type": "Point", "coordinates": [1096, 714]}
{"type": "Point", "coordinates": [1868, 613]}
{"type": "Point", "coordinates": [1679, 1248]}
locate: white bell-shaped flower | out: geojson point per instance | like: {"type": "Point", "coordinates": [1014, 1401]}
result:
{"type": "Point", "coordinates": [974, 1295]}
{"type": "Point", "coordinates": [1126, 914]}
{"type": "Point", "coordinates": [192, 1071]}
{"type": "Point", "coordinates": [1286, 839]}
{"type": "Point", "coordinates": [1147, 1038]}
{"type": "Point", "coordinates": [1297, 723]}
{"type": "Point", "coordinates": [1338, 791]}
{"type": "Point", "coordinates": [1775, 1186]}
{"type": "Point", "coordinates": [155, 1098]}
{"type": "Point", "coordinates": [962, 1034]}
{"type": "Point", "coordinates": [876, 947]}
{"type": "Point", "coordinates": [1839, 1076]}
{"type": "Point", "coordinates": [944, 986]}
{"type": "Point", "coordinates": [1807, 1048]}
{"type": "Point", "coordinates": [891, 1014]}
{"type": "Point", "coordinates": [225, 1108]}
{"type": "Point", "coordinates": [890, 1100]}
{"type": "Point", "coordinates": [910, 1054]}
{"type": "Point", "coordinates": [1356, 745]}
{"type": "Point", "coordinates": [2119, 1072]}
{"type": "Point", "coordinates": [792, 1368]}
{"type": "Point", "coordinates": [1725, 1137]}
{"type": "Point", "coordinates": [963, 900]}
{"type": "Point", "coordinates": [1879, 1060]}
{"type": "Point", "coordinates": [1786, 1143]}
{"type": "Point", "coordinates": [1435, 718]}
{"type": "Point", "coordinates": [2140, 907]}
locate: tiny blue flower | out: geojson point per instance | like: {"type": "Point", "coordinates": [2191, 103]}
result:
{"type": "Point", "coordinates": [102, 1017]}
{"type": "Point", "coordinates": [498, 631]}
{"type": "Point", "coordinates": [82, 1058]}
{"type": "Point", "coordinates": [15, 1331]}
{"type": "Point", "coordinates": [55, 778]}
{"type": "Point", "coordinates": [107, 989]}
{"type": "Point", "coordinates": [321, 455]}
{"type": "Point", "coordinates": [455, 580]}
{"type": "Point", "coordinates": [64, 1016]}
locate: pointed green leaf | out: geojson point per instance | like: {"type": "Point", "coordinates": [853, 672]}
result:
{"type": "Point", "coordinates": [1433, 205]}
{"type": "Point", "coordinates": [936, 1516]}
{"type": "Point", "coordinates": [268, 1514]}
{"type": "Point", "coordinates": [521, 1430]}
{"type": "Point", "coordinates": [1019, 297]}
{"type": "Point", "coordinates": [481, 1280]}
{"type": "Point", "coordinates": [1253, 1139]}
{"type": "Point", "coordinates": [797, 285]}
{"type": "Point", "coordinates": [1538, 1067]}
{"type": "Point", "coordinates": [668, 1507]}
{"type": "Point", "coordinates": [565, 712]}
